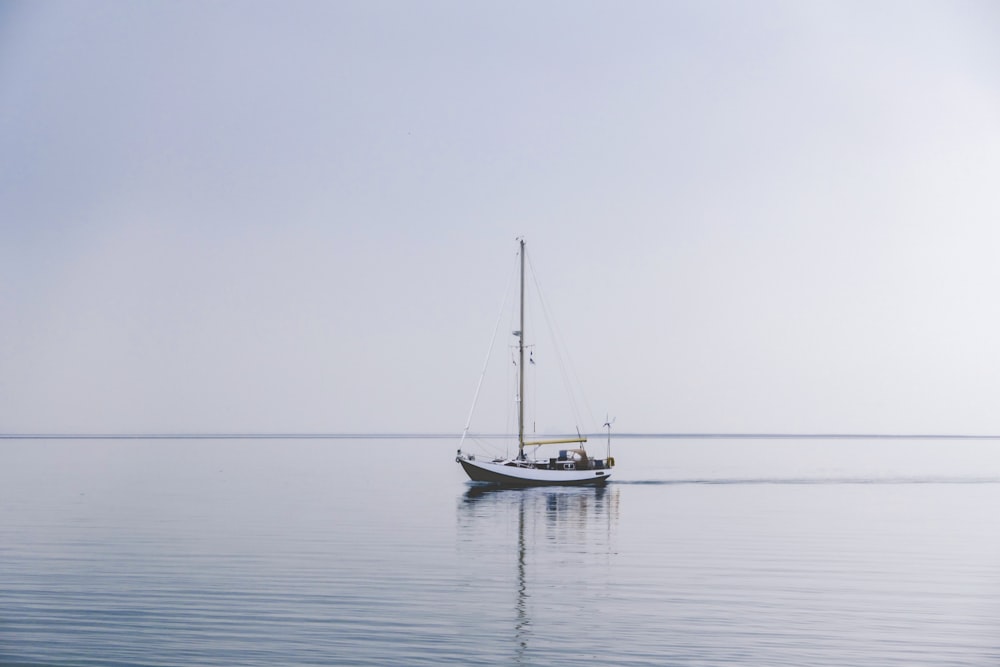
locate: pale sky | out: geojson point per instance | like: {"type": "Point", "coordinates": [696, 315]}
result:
{"type": "Point", "coordinates": [300, 217]}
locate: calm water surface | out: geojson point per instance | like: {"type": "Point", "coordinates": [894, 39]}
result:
{"type": "Point", "coordinates": [702, 552]}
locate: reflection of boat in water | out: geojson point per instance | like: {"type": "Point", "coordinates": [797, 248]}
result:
{"type": "Point", "coordinates": [575, 525]}
{"type": "Point", "coordinates": [552, 499]}
{"type": "Point", "coordinates": [572, 466]}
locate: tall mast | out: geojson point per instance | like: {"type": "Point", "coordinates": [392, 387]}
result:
{"type": "Point", "coordinates": [520, 367]}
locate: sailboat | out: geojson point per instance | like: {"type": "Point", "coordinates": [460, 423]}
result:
{"type": "Point", "coordinates": [569, 466]}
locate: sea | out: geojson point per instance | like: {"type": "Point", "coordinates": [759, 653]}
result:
{"type": "Point", "coordinates": [378, 551]}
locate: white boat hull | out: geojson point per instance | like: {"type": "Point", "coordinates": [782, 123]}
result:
{"type": "Point", "coordinates": [511, 473]}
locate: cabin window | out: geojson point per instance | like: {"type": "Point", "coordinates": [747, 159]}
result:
{"type": "Point", "coordinates": [569, 466]}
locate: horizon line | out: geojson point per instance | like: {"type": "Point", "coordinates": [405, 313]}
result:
{"type": "Point", "coordinates": [430, 436]}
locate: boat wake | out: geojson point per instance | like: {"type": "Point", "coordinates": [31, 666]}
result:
{"type": "Point", "coordinates": [808, 481]}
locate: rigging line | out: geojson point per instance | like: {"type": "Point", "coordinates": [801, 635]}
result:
{"type": "Point", "coordinates": [486, 444]}
{"type": "Point", "coordinates": [512, 388]}
{"type": "Point", "coordinates": [510, 395]}
{"type": "Point", "coordinates": [489, 353]}
{"type": "Point", "coordinates": [559, 343]}
{"type": "Point", "coordinates": [531, 408]}
{"type": "Point", "coordinates": [534, 395]}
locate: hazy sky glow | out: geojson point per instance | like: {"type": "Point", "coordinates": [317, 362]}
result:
{"type": "Point", "coordinates": [770, 216]}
